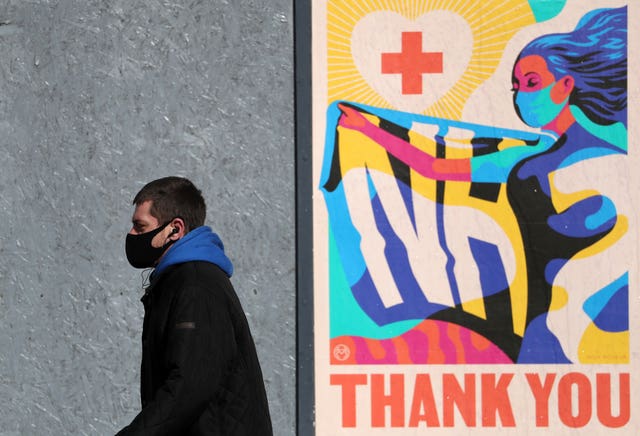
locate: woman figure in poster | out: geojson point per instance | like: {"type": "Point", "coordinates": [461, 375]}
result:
{"type": "Point", "coordinates": [573, 85]}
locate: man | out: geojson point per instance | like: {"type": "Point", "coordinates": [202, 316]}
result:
{"type": "Point", "coordinates": [200, 372]}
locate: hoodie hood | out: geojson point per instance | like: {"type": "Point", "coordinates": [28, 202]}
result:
{"type": "Point", "coordinates": [200, 244]}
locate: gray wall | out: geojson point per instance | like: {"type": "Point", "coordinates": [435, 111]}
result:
{"type": "Point", "coordinates": [98, 97]}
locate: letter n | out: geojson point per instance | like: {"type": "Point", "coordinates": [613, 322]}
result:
{"type": "Point", "coordinates": [465, 399]}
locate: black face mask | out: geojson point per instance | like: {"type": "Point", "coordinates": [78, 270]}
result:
{"type": "Point", "coordinates": [140, 252]}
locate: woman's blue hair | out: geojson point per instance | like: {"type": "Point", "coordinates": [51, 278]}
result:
{"type": "Point", "coordinates": [595, 55]}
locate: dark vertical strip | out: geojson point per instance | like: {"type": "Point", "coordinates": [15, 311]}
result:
{"type": "Point", "coordinates": [304, 220]}
{"type": "Point", "coordinates": [485, 191]}
{"type": "Point", "coordinates": [440, 187]}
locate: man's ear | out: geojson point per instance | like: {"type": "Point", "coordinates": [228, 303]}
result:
{"type": "Point", "coordinates": [562, 89]}
{"type": "Point", "coordinates": [178, 229]}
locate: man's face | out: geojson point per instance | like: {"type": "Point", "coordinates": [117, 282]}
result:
{"type": "Point", "coordinates": [143, 222]}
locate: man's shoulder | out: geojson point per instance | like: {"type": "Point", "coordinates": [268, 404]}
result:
{"type": "Point", "coordinates": [196, 271]}
{"type": "Point", "coordinates": [193, 280]}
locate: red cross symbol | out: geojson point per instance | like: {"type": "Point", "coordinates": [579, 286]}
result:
{"type": "Point", "coordinates": [412, 63]}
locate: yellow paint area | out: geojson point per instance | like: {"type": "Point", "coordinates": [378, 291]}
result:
{"type": "Point", "coordinates": [559, 298]}
{"type": "Point", "coordinates": [475, 307]}
{"type": "Point", "coordinates": [598, 346]}
{"type": "Point", "coordinates": [492, 24]}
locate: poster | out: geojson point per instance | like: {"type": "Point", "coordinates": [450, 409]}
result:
{"type": "Point", "coordinates": [475, 246]}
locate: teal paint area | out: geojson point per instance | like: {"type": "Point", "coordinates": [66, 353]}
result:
{"type": "Point", "coordinates": [544, 10]}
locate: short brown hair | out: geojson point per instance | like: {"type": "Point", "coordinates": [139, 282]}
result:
{"type": "Point", "coordinates": [173, 197]}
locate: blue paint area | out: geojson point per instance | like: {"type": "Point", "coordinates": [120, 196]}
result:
{"type": "Point", "coordinates": [604, 217]}
{"type": "Point", "coordinates": [412, 308]}
{"type": "Point", "coordinates": [397, 257]}
{"type": "Point", "coordinates": [585, 218]}
{"type": "Point", "coordinates": [588, 153]}
{"type": "Point", "coordinates": [586, 145]}
{"type": "Point", "coordinates": [492, 275]}
{"type": "Point", "coordinates": [614, 317]}
{"type": "Point", "coordinates": [609, 307]}
{"type": "Point", "coordinates": [553, 267]}
{"type": "Point", "coordinates": [615, 133]}
{"type": "Point", "coordinates": [340, 220]}
{"type": "Point", "coordinates": [407, 197]}
{"type": "Point", "coordinates": [346, 315]}
{"type": "Point", "coordinates": [539, 345]}
{"type": "Point", "coordinates": [345, 232]}
{"type": "Point", "coordinates": [544, 10]}
{"type": "Point", "coordinates": [574, 146]}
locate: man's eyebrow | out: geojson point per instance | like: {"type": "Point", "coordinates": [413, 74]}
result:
{"type": "Point", "coordinates": [138, 223]}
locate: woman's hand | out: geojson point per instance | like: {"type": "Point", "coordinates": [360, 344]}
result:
{"type": "Point", "coordinates": [351, 118]}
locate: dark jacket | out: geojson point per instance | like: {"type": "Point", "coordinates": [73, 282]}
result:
{"type": "Point", "coordinates": [200, 372]}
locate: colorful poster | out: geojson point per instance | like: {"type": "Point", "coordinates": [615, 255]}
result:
{"type": "Point", "coordinates": [475, 216]}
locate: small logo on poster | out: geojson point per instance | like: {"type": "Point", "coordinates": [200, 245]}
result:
{"type": "Point", "coordinates": [341, 352]}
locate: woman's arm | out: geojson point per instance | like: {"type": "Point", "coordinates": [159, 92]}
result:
{"type": "Point", "coordinates": [421, 162]}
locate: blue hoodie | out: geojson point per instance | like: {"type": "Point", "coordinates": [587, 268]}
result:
{"type": "Point", "coordinates": [200, 244]}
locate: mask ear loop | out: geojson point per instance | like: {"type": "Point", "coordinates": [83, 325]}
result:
{"type": "Point", "coordinates": [175, 230]}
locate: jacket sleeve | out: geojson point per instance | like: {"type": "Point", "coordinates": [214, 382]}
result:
{"type": "Point", "coordinates": [199, 346]}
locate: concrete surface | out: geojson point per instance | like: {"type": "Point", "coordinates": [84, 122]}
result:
{"type": "Point", "coordinates": [98, 97]}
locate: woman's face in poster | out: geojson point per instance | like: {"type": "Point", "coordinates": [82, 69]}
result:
{"type": "Point", "coordinates": [537, 96]}
{"type": "Point", "coordinates": [531, 74]}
